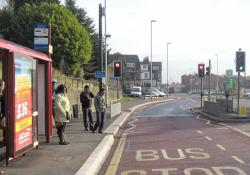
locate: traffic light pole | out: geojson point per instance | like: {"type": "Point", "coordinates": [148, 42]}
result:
{"type": "Point", "coordinates": [238, 100]}
{"type": "Point", "coordinates": [201, 92]}
{"type": "Point", "coordinates": [118, 89]}
{"type": "Point", "coordinates": [209, 81]}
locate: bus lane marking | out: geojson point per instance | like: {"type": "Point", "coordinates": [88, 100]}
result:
{"type": "Point", "coordinates": [221, 147]}
{"type": "Point", "coordinates": [208, 138]}
{"type": "Point", "coordinates": [199, 131]}
{"type": "Point", "coordinates": [238, 159]}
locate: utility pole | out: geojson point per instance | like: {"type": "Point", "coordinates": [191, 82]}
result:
{"type": "Point", "coordinates": [100, 44]}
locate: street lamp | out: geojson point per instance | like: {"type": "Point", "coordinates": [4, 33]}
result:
{"type": "Point", "coordinates": [106, 67]}
{"type": "Point", "coordinates": [151, 22]}
{"type": "Point", "coordinates": [167, 70]}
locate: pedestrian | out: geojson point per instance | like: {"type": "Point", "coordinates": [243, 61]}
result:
{"type": "Point", "coordinates": [100, 107]}
{"type": "Point", "coordinates": [2, 112]}
{"type": "Point", "coordinates": [62, 112]}
{"type": "Point", "coordinates": [86, 99]}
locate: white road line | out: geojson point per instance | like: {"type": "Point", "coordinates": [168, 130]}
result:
{"type": "Point", "coordinates": [222, 128]}
{"type": "Point", "coordinates": [131, 124]}
{"type": "Point", "coordinates": [208, 138]}
{"type": "Point", "coordinates": [236, 129]}
{"type": "Point", "coordinates": [221, 147]}
{"type": "Point", "coordinates": [238, 159]}
{"type": "Point", "coordinates": [199, 131]}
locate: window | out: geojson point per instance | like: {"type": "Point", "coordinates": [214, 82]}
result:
{"type": "Point", "coordinates": [156, 68]}
{"type": "Point", "coordinates": [145, 75]}
{"type": "Point", "coordinates": [144, 67]}
{"type": "Point", "coordinates": [130, 64]}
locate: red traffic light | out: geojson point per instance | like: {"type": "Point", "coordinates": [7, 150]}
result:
{"type": "Point", "coordinates": [117, 64]}
{"type": "Point", "coordinates": [201, 70]}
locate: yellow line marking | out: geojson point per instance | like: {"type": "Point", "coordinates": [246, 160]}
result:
{"type": "Point", "coordinates": [200, 132]}
{"type": "Point", "coordinates": [208, 138]}
{"type": "Point", "coordinates": [238, 159]}
{"type": "Point", "coordinates": [221, 147]}
{"type": "Point", "coordinates": [112, 168]}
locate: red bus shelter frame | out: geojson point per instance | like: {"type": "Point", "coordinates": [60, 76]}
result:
{"type": "Point", "coordinates": [9, 77]}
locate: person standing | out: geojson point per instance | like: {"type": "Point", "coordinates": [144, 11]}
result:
{"type": "Point", "coordinates": [2, 112]}
{"type": "Point", "coordinates": [62, 109]}
{"type": "Point", "coordinates": [100, 107]}
{"type": "Point", "coordinates": [86, 100]}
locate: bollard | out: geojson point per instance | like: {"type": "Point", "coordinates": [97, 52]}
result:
{"type": "Point", "coordinates": [243, 111]}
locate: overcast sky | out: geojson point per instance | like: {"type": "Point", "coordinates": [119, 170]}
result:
{"type": "Point", "coordinates": [197, 29]}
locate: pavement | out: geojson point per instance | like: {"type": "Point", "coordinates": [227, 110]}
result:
{"type": "Point", "coordinates": [84, 155]}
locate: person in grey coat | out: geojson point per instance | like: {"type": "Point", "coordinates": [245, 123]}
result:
{"type": "Point", "coordinates": [100, 107]}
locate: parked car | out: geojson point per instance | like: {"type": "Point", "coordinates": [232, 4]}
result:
{"type": "Point", "coordinates": [160, 93]}
{"type": "Point", "coordinates": [136, 91]}
{"type": "Point", "coordinates": [149, 91]}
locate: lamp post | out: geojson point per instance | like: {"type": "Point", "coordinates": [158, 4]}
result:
{"type": "Point", "coordinates": [167, 70]}
{"type": "Point", "coordinates": [106, 55]}
{"type": "Point", "coordinates": [151, 82]}
{"type": "Point", "coordinates": [106, 67]}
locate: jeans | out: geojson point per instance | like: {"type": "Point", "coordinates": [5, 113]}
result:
{"type": "Point", "coordinates": [99, 120]}
{"type": "Point", "coordinates": [87, 115]}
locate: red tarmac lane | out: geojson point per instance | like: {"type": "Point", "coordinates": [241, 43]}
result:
{"type": "Point", "coordinates": [182, 145]}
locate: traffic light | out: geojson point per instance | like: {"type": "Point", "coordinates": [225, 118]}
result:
{"type": "Point", "coordinates": [201, 70]}
{"type": "Point", "coordinates": [240, 61]}
{"type": "Point", "coordinates": [117, 68]}
{"type": "Point", "coordinates": [207, 71]}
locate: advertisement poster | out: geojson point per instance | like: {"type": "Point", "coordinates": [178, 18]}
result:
{"type": "Point", "coordinates": [23, 102]}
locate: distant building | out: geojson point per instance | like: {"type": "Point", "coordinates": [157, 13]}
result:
{"type": "Point", "coordinates": [136, 73]}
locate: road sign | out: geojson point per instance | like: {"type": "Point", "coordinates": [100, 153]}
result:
{"type": "Point", "coordinates": [41, 47]}
{"type": "Point", "coordinates": [114, 78]}
{"type": "Point", "coordinates": [100, 74]}
{"type": "Point", "coordinates": [229, 79]}
{"type": "Point", "coordinates": [41, 41]}
{"type": "Point", "coordinates": [41, 34]}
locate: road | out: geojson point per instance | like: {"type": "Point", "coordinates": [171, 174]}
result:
{"type": "Point", "coordinates": [167, 139]}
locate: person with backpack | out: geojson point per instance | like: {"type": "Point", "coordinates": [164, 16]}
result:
{"type": "Point", "coordinates": [86, 97]}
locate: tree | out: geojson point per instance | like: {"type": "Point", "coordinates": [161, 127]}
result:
{"type": "Point", "coordinates": [81, 16]}
{"type": "Point", "coordinates": [71, 42]}
{"type": "Point", "coordinates": [19, 3]}
{"type": "Point", "coordinates": [87, 22]}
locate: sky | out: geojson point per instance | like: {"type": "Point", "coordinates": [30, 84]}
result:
{"type": "Point", "coordinates": [197, 29]}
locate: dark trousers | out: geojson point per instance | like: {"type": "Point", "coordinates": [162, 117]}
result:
{"type": "Point", "coordinates": [87, 115]}
{"type": "Point", "coordinates": [61, 131]}
{"type": "Point", "coordinates": [99, 120]}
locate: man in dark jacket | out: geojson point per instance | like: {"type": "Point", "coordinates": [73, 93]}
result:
{"type": "Point", "coordinates": [86, 101]}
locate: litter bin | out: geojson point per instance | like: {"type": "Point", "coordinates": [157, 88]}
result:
{"type": "Point", "coordinates": [76, 111]}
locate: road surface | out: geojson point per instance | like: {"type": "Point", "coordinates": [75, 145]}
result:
{"type": "Point", "coordinates": [168, 139]}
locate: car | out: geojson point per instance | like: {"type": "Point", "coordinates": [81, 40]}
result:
{"type": "Point", "coordinates": [149, 91]}
{"type": "Point", "coordinates": [161, 94]}
{"type": "Point", "coordinates": [136, 91]}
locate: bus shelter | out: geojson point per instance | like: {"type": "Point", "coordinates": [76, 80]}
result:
{"type": "Point", "coordinates": [28, 97]}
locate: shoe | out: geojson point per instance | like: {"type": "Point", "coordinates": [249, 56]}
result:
{"type": "Point", "coordinates": [93, 131]}
{"type": "Point", "coordinates": [66, 142]}
{"type": "Point", "coordinates": [100, 132]}
{"type": "Point", "coordinates": [86, 129]}
{"type": "Point", "coordinates": [63, 143]}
